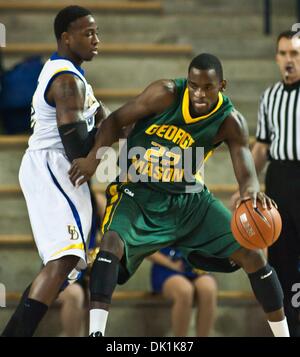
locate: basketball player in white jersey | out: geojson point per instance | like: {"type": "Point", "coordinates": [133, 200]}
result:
{"type": "Point", "coordinates": [64, 111]}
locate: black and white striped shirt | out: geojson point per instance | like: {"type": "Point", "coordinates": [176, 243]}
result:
{"type": "Point", "coordinates": [279, 121]}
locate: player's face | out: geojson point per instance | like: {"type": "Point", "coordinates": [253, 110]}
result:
{"type": "Point", "coordinates": [204, 87]}
{"type": "Point", "coordinates": [83, 38]}
{"type": "Point", "coordinates": [288, 59]}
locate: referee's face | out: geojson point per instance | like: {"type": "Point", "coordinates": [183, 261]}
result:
{"type": "Point", "coordinates": [288, 59]}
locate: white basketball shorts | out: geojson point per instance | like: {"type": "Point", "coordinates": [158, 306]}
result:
{"type": "Point", "coordinates": [60, 214]}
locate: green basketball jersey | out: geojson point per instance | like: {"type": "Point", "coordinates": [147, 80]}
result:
{"type": "Point", "coordinates": [168, 158]}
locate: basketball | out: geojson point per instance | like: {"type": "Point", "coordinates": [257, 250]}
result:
{"type": "Point", "coordinates": [256, 227]}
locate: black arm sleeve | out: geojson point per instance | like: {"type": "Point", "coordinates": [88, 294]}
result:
{"type": "Point", "coordinates": [76, 140]}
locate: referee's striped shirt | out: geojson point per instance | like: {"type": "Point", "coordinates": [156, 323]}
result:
{"type": "Point", "coordinates": [279, 121]}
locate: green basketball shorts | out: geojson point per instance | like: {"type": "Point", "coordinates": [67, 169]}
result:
{"type": "Point", "coordinates": [146, 220]}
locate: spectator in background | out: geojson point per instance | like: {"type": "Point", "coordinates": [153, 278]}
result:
{"type": "Point", "coordinates": [72, 311]}
{"type": "Point", "coordinates": [175, 279]}
{"type": "Point", "coordinates": [15, 100]}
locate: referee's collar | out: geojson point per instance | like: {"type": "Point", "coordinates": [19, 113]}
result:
{"type": "Point", "coordinates": [290, 87]}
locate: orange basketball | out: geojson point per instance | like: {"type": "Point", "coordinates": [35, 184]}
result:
{"type": "Point", "coordinates": [257, 227]}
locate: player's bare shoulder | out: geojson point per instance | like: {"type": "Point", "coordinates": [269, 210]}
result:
{"type": "Point", "coordinates": [164, 88]}
{"type": "Point", "coordinates": [238, 119]}
{"type": "Point", "coordinates": [159, 95]}
{"type": "Point", "coordinates": [65, 87]}
{"type": "Point", "coordinates": [233, 127]}
{"type": "Point", "coordinates": [169, 86]}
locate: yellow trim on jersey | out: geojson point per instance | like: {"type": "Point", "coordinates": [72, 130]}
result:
{"type": "Point", "coordinates": [208, 155]}
{"type": "Point", "coordinates": [113, 191]}
{"type": "Point", "coordinates": [112, 204]}
{"type": "Point", "coordinates": [114, 196]}
{"type": "Point", "coordinates": [186, 108]}
{"type": "Point", "coordinates": [112, 216]}
{"type": "Point", "coordinates": [110, 211]}
{"type": "Point", "coordinates": [61, 70]}
{"type": "Point", "coordinates": [106, 216]}
{"type": "Point", "coordinates": [198, 175]}
{"type": "Point", "coordinates": [69, 247]}
{"type": "Point", "coordinates": [199, 178]}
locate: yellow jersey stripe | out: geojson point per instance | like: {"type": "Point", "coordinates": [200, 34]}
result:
{"type": "Point", "coordinates": [113, 190]}
{"type": "Point", "coordinates": [106, 216]}
{"type": "Point", "coordinates": [61, 70]}
{"type": "Point", "coordinates": [69, 247]}
{"type": "Point", "coordinates": [111, 208]}
{"type": "Point", "coordinates": [112, 216]}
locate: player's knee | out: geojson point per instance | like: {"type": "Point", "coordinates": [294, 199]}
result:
{"type": "Point", "coordinates": [267, 288]}
{"type": "Point", "coordinates": [104, 277]}
{"type": "Point", "coordinates": [111, 242]}
{"type": "Point", "coordinates": [250, 260]}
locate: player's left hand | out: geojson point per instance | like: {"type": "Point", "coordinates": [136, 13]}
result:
{"type": "Point", "coordinates": [81, 171]}
{"type": "Point", "coordinates": [265, 200]}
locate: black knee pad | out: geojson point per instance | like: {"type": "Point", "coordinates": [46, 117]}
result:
{"type": "Point", "coordinates": [267, 288]}
{"type": "Point", "coordinates": [104, 277]}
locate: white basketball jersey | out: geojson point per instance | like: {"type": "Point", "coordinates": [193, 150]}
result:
{"type": "Point", "coordinates": [43, 114]}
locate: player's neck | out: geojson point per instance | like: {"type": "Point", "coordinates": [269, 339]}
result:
{"type": "Point", "coordinates": [62, 52]}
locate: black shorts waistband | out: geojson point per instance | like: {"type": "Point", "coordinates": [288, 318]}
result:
{"type": "Point", "coordinates": [286, 163]}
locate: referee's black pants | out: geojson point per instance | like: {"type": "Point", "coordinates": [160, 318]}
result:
{"type": "Point", "coordinates": [283, 186]}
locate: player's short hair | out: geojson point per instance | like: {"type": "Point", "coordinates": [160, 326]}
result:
{"type": "Point", "coordinates": [66, 16]}
{"type": "Point", "coordinates": [207, 61]}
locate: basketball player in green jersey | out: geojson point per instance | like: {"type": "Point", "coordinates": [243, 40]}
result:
{"type": "Point", "coordinates": [166, 209]}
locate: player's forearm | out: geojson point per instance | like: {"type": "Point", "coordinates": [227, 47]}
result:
{"type": "Point", "coordinates": [248, 185]}
{"type": "Point", "coordinates": [246, 176]}
{"type": "Point", "coordinates": [244, 169]}
{"type": "Point", "coordinates": [76, 140]}
{"type": "Point", "coordinates": [260, 156]}
{"type": "Point", "coordinates": [107, 134]}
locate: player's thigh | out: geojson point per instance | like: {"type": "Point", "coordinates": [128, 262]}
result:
{"type": "Point", "coordinates": [141, 218]}
{"type": "Point", "coordinates": [60, 215]}
{"type": "Point", "coordinates": [211, 243]}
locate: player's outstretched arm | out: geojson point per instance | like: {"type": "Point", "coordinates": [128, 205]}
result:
{"type": "Point", "coordinates": [153, 100]}
{"type": "Point", "coordinates": [236, 136]}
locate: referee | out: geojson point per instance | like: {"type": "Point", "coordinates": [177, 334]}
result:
{"type": "Point", "coordinates": [278, 140]}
